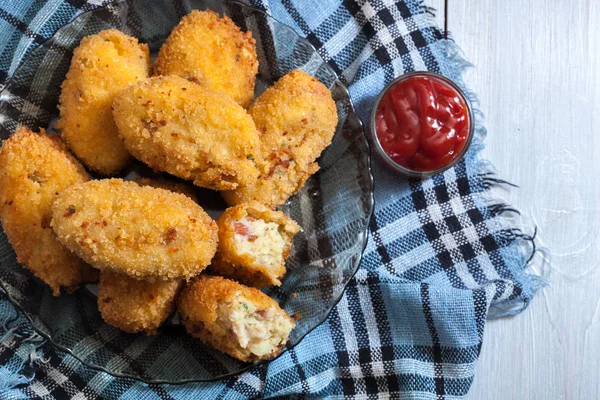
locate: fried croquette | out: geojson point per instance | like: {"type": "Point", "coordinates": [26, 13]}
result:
{"type": "Point", "coordinates": [296, 119]}
{"type": "Point", "coordinates": [273, 189]}
{"type": "Point", "coordinates": [254, 242]}
{"type": "Point", "coordinates": [235, 319]}
{"type": "Point", "coordinates": [144, 232]}
{"type": "Point", "coordinates": [172, 186]}
{"type": "Point", "coordinates": [133, 305]}
{"type": "Point", "coordinates": [102, 66]}
{"type": "Point", "coordinates": [176, 126]}
{"type": "Point", "coordinates": [34, 169]}
{"type": "Point", "coordinates": [212, 52]}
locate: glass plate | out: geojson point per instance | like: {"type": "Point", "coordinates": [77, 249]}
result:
{"type": "Point", "coordinates": [334, 206]}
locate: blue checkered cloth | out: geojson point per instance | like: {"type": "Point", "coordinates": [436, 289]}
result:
{"type": "Point", "coordinates": [441, 258]}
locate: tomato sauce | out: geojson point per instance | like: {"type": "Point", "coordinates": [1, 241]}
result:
{"type": "Point", "coordinates": [422, 123]}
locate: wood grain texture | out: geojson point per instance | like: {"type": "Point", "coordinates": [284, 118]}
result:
{"type": "Point", "coordinates": [538, 78]}
{"type": "Point", "coordinates": [439, 7]}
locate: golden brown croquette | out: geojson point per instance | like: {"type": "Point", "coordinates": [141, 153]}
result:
{"type": "Point", "coordinates": [133, 305]}
{"type": "Point", "coordinates": [34, 169]}
{"type": "Point", "coordinates": [296, 120]}
{"type": "Point", "coordinates": [235, 319]}
{"type": "Point", "coordinates": [144, 232]}
{"type": "Point", "coordinates": [102, 66]}
{"type": "Point", "coordinates": [254, 242]}
{"type": "Point", "coordinates": [212, 52]}
{"type": "Point", "coordinates": [176, 126]}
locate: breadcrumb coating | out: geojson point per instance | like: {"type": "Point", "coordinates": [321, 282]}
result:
{"type": "Point", "coordinates": [144, 232]}
{"type": "Point", "coordinates": [102, 66]}
{"type": "Point", "coordinates": [176, 126]}
{"type": "Point", "coordinates": [247, 258]}
{"type": "Point", "coordinates": [212, 52]}
{"type": "Point", "coordinates": [274, 189]}
{"type": "Point", "coordinates": [169, 185]}
{"type": "Point", "coordinates": [296, 120]}
{"type": "Point", "coordinates": [34, 169]}
{"type": "Point", "coordinates": [224, 314]}
{"type": "Point", "coordinates": [133, 305]}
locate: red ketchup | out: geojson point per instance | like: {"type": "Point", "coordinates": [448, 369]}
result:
{"type": "Point", "coordinates": [422, 123]}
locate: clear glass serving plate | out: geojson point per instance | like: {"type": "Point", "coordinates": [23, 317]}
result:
{"type": "Point", "coordinates": [334, 207]}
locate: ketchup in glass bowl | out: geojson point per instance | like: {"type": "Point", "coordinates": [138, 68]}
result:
{"type": "Point", "coordinates": [422, 124]}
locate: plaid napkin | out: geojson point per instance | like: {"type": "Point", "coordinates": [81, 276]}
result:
{"type": "Point", "coordinates": [441, 258]}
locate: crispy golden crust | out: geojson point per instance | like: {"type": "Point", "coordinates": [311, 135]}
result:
{"type": "Point", "coordinates": [171, 186]}
{"type": "Point", "coordinates": [275, 189]}
{"type": "Point", "coordinates": [243, 267]}
{"type": "Point", "coordinates": [102, 66]}
{"type": "Point", "coordinates": [198, 308]}
{"type": "Point", "coordinates": [34, 169]}
{"type": "Point", "coordinates": [144, 232]}
{"type": "Point", "coordinates": [176, 126]}
{"type": "Point", "coordinates": [296, 119]}
{"type": "Point", "coordinates": [212, 52]}
{"type": "Point", "coordinates": [135, 306]}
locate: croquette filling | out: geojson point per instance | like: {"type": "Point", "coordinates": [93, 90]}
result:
{"type": "Point", "coordinates": [264, 241]}
{"type": "Point", "coordinates": [260, 331]}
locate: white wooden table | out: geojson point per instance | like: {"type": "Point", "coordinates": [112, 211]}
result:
{"type": "Point", "coordinates": [537, 73]}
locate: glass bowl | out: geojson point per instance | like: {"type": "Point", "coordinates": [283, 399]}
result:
{"type": "Point", "coordinates": [400, 169]}
{"type": "Point", "coordinates": [334, 206]}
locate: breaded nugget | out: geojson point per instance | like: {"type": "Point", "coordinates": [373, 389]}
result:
{"type": "Point", "coordinates": [135, 306]}
{"type": "Point", "coordinates": [254, 242]}
{"type": "Point", "coordinates": [273, 189]}
{"type": "Point", "coordinates": [34, 169]}
{"type": "Point", "coordinates": [296, 119]}
{"type": "Point", "coordinates": [235, 319]}
{"type": "Point", "coordinates": [102, 66]}
{"type": "Point", "coordinates": [144, 232]}
{"type": "Point", "coordinates": [212, 52]}
{"type": "Point", "coordinates": [176, 126]}
{"type": "Point", "coordinates": [172, 186]}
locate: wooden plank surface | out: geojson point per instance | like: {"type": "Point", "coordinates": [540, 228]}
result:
{"type": "Point", "coordinates": [538, 78]}
{"type": "Point", "coordinates": [439, 8]}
